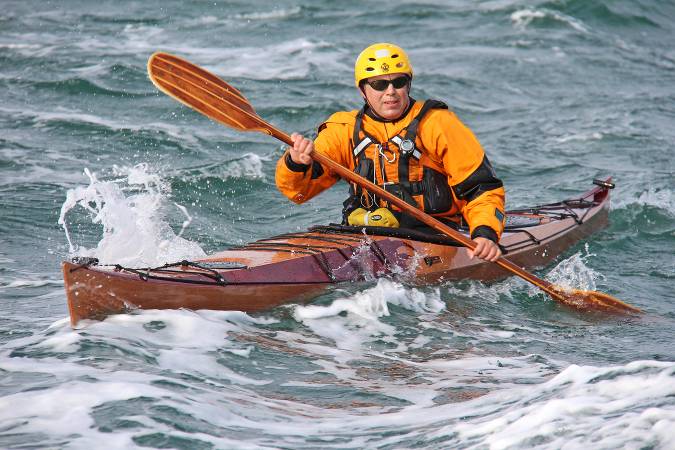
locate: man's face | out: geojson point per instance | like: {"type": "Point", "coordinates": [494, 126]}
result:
{"type": "Point", "coordinates": [389, 103]}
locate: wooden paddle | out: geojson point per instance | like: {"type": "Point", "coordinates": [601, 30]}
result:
{"type": "Point", "coordinates": [213, 97]}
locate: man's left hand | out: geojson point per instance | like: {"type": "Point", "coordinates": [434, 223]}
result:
{"type": "Point", "coordinates": [485, 249]}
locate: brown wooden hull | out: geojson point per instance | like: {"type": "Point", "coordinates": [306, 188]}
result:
{"type": "Point", "coordinates": [298, 267]}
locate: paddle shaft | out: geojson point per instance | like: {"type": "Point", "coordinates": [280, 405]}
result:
{"type": "Point", "coordinates": [410, 209]}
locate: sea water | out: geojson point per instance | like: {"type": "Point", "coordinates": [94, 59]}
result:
{"type": "Point", "coordinates": [95, 162]}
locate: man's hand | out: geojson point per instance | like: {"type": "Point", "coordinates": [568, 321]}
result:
{"type": "Point", "coordinates": [485, 249]}
{"type": "Point", "coordinates": [302, 148]}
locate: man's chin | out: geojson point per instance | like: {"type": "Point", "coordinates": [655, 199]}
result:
{"type": "Point", "coordinates": [391, 113]}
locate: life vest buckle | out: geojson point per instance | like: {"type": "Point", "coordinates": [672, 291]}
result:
{"type": "Point", "coordinates": [382, 148]}
{"type": "Point", "coordinates": [407, 147]}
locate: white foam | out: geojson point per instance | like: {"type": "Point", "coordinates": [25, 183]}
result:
{"type": "Point", "coordinates": [44, 118]}
{"type": "Point", "coordinates": [511, 401]}
{"type": "Point", "coordinates": [268, 15]}
{"type": "Point", "coordinates": [135, 231]}
{"type": "Point", "coordinates": [659, 198]}
{"type": "Point", "coordinates": [280, 60]}
{"type": "Point", "coordinates": [372, 302]}
{"type": "Point", "coordinates": [524, 17]}
{"type": "Point", "coordinates": [612, 407]}
{"type": "Point", "coordinates": [352, 323]}
{"type": "Point", "coordinates": [23, 283]}
{"type": "Point", "coordinates": [247, 166]}
{"type": "Point", "coordinates": [574, 273]}
{"type": "Point", "coordinates": [583, 137]}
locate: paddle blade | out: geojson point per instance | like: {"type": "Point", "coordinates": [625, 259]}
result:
{"type": "Point", "coordinates": [592, 300]}
{"type": "Point", "coordinates": [203, 92]}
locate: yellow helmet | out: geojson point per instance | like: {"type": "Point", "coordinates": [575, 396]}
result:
{"type": "Point", "coordinates": [381, 59]}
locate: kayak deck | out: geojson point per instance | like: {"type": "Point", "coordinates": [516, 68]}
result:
{"type": "Point", "coordinates": [296, 267]}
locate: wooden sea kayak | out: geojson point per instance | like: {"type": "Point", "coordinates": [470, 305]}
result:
{"type": "Point", "coordinates": [296, 267]}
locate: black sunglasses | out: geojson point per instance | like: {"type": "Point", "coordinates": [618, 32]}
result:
{"type": "Point", "coordinates": [381, 85]}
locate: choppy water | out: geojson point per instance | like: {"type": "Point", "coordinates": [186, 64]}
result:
{"type": "Point", "coordinates": [559, 92]}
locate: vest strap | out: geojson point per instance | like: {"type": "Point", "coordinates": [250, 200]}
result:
{"type": "Point", "coordinates": [406, 144]}
{"type": "Point", "coordinates": [362, 145]}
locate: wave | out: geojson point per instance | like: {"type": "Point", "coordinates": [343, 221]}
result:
{"type": "Point", "coordinates": [606, 406]}
{"type": "Point", "coordinates": [82, 86]}
{"type": "Point", "coordinates": [346, 381]}
{"type": "Point", "coordinates": [64, 119]}
{"type": "Point", "coordinates": [268, 15]}
{"type": "Point", "coordinates": [659, 198]}
{"type": "Point", "coordinates": [117, 19]}
{"type": "Point", "coordinates": [620, 14]}
{"type": "Point", "coordinates": [280, 60]}
{"type": "Point", "coordinates": [29, 283]}
{"type": "Point", "coordinates": [247, 166]}
{"type": "Point", "coordinates": [543, 17]}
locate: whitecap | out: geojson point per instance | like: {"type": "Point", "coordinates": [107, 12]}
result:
{"type": "Point", "coordinates": [248, 166]}
{"type": "Point", "coordinates": [24, 283]}
{"type": "Point", "coordinates": [524, 17]}
{"type": "Point", "coordinates": [268, 15]}
{"type": "Point", "coordinates": [281, 60]}
{"type": "Point", "coordinates": [658, 197]}
{"type": "Point", "coordinates": [612, 407]}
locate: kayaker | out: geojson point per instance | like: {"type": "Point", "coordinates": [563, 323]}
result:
{"type": "Point", "coordinates": [418, 150]}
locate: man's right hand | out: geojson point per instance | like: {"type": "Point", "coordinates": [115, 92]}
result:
{"type": "Point", "coordinates": [301, 150]}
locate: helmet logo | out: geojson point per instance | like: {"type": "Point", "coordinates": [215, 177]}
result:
{"type": "Point", "coordinates": [384, 67]}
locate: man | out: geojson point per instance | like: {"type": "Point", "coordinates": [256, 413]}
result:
{"type": "Point", "coordinates": [418, 150]}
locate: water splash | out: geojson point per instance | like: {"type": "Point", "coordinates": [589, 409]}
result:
{"type": "Point", "coordinates": [573, 273]}
{"type": "Point", "coordinates": [654, 196]}
{"type": "Point", "coordinates": [132, 208]}
{"type": "Point", "coordinates": [659, 198]}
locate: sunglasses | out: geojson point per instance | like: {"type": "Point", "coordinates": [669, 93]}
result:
{"type": "Point", "coordinates": [381, 85]}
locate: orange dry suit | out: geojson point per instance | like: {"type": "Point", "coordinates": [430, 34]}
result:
{"type": "Point", "coordinates": [427, 157]}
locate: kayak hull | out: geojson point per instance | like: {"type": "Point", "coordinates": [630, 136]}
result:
{"type": "Point", "coordinates": [297, 267]}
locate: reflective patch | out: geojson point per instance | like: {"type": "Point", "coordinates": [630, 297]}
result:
{"type": "Point", "coordinates": [499, 215]}
{"type": "Point", "coordinates": [363, 144]}
{"type": "Point", "coordinates": [382, 53]}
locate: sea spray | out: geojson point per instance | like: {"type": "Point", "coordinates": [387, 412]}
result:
{"type": "Point", "coordinates": [574, 273]}
{"type": "Point", "coordinates": [132, 209]}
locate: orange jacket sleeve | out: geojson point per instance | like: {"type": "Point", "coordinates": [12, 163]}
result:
{"type": "Point", "coordinates": [300, 183]}
{"type": "Point", "coordinates": [479, 194]}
